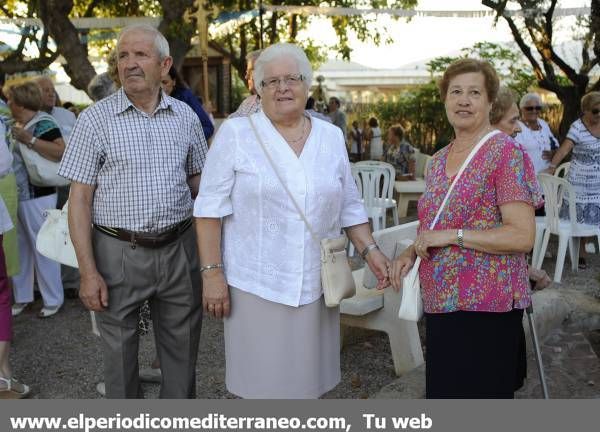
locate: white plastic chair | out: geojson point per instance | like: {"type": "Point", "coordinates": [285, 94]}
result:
{"type": "Point", "coordinates": [373, 183]}
{"type": "Point", "coordinates": [540, 221]}
{"type": "Point", "coordinates": [388, 202]}
{"type": "Point", "coordinates": [556, 190]}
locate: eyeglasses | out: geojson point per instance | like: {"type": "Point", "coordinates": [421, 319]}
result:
{"type": "Point", "coordinates": [596, 111]}
{"type": "Point", "coordinates": [532, 108]}
{"type": "Point", "coordinates": [290, 80]}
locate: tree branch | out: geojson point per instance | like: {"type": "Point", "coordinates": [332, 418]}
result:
{"type": "Point", "coordinates": [19, 65]}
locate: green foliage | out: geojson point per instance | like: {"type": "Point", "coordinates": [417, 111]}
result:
{"type": "Point", "coordinates": [509, 64]}
{"type": "Point", "coordinates": [419, 110]}
{"type": "Point", "coordinates": [279, 27]}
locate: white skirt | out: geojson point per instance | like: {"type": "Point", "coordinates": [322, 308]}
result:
{"type": "Point", "coordinates": [274, 351]}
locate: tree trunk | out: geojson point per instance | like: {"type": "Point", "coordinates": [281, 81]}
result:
{"type": "Point", "coordinates": [570, 97]}
{"type": "Point", "coordinates": [177, 32]}
{"type": "Point", "coordinates": [55, 16]}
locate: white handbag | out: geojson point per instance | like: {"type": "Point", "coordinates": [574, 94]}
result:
{"type": "Point", "coordinates": [336, 274]}
{"type": "Point", "coordinates": [411, 305]}
{"type": "Point", "coordinates": [42, 172]}
{"type": "Point", "coordinates": [53, 240]}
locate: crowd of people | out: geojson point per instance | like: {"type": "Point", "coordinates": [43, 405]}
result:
{"type": "Point", "coordinates": [166, 229]}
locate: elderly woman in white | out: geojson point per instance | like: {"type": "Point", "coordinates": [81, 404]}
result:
{"type": "Point", "coordinates": [535, 136]}
{"type": "Point", "coordinates": [260, 265]}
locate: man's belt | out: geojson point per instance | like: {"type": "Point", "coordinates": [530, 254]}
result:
{"type": "Point", "coordinates": [147, 240]}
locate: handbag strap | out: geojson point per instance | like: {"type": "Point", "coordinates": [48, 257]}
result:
{"type": "Point", "coordinates": [264, 148]}
{"type": "Point", "coordinates": [464, 165]}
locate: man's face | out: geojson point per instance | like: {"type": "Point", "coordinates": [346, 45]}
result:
{"type": "Point", "coordinates": [138, 63]}
{"type": "Point", "coordinates": [332, 105]}
{"type": "Point", "coordinates": [48, 93]}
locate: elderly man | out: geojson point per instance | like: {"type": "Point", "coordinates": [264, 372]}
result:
{"type": "Point", "coordinates": [252, 103]}
{"type": "Point", "coordinates": [134, 160]}
{"type": "Point", "coordinates": [337, 117]}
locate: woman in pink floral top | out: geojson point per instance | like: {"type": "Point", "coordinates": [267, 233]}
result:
{"type": "Point", "coordinates": [474, 270]}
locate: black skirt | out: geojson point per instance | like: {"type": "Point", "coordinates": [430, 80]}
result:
{"type": "Point", "coordinates": [474, 355]}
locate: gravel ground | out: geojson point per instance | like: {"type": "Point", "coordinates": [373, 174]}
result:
{"type": "Point", "coordinates": [59, 357]}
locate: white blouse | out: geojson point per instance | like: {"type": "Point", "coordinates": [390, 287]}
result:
{"type": "Point", "coordinates": [267, 249]}
{"type": "Point", "coordinates": [535, 142]}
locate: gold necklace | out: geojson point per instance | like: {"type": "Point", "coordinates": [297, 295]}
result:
{"type": "Point", "coordinates": [486, 130]}
{"type": "Point", "coordinates": [295, 141]}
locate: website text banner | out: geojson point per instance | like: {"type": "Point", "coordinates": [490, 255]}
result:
{"type": "Point", "coordinates": [321, 415]}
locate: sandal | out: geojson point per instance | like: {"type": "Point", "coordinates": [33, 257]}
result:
{"type": "Point", "coordinates": [14, 389]}
{"type": "Point", "coordinates": [582, 265]}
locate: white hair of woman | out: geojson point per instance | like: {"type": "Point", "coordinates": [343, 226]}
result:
{"type": "Point", "coordinates": [160, 42]}
{"type": "Point", "coordinates": [278, 51]}
{"type": "Point", "coordinates": [528, 97]}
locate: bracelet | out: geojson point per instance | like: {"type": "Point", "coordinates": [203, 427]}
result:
{"type": "Point", "coordinates": [368, 249]}
{"type": "Point", "coordinates": [210, 267]}
{"type": "Point", "coordinates": [460, 238]}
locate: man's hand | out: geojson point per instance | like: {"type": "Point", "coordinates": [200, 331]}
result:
{"type": "Point", "coordinates": [93, 292]}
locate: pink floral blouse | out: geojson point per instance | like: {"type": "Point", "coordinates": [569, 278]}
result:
{"type": "Point", "coordinates": [465, 279]}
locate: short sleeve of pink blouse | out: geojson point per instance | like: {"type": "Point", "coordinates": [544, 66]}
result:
{"type": "Point", "coordinates": [465, 279]}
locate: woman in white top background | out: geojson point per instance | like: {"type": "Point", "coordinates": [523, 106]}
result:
{"type": "Point", "coordinates": [261, 267]}
{"type": "Point", "coordinates": [535, 137]}
{"type": "Point", "coordinates": [375, 140]}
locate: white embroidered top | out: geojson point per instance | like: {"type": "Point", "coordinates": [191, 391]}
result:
{"type": "Point", "coordinates": [535, 142]}
{"type": "Point", "coordinates": [267, 249]}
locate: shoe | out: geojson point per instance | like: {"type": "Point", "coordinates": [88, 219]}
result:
{"type": "Point", "coordinates": [151, 375]}
{"type": "Point", "coordinates": [17, 308]}
{"type": "Point", "coordinates": [101, 388]}
{"type": "Point", "coordinates": [10, 388]}
{"type": "Point", "coordinates": [582, 265]}
{"type": "Point", "coordinates": [48, 311]}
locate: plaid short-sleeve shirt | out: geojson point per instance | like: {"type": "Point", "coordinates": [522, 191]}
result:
{"type": "Point", "coordinates": [138, 162]}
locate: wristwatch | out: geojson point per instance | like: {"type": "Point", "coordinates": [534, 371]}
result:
{"type": "Point", "coordinates": [460, 238]}
{"type": "Point", "coordinates": [31, 142]}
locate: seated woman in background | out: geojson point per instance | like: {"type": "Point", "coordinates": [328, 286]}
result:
{"type": "Point", "coordinates": [400, 153]}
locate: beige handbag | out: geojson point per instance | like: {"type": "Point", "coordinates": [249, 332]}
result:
{"type": "Point", "coordinates": [411, 305]}
{"type": "Point", "coordinates": [336, 275]}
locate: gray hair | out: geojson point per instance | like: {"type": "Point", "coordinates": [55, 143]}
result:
{"type": "Point", "coordinates": [276, 52]}
{"type": "Point", "coordinates": [101, 86]}
{"type": "Point", "coordinates": [160, 42]}
{"type": "Point", "coordinates": [529, 97]}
